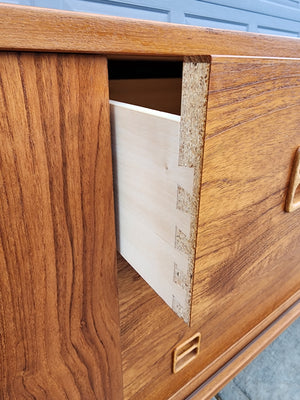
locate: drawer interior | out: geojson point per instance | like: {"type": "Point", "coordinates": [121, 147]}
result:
{"type": "Point", "coordinates": [162, 94]}
{"type": "Point", "coordinates": [151, 84]}
{"type": "Point", "coordinates": [157, 122]}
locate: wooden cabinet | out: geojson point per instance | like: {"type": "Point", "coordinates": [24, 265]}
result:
{"type": "Point", "coordinates": [58, 297]}
{"type": "Point", "coordinates": [247, 256]}
{"type": "Point", "coordinates": [60, 324]}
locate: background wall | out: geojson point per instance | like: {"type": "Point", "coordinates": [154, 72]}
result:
{"type": "Point", "coordinates": [279, 17]}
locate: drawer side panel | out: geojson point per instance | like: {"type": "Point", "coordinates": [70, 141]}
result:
{"type": "Point", "coordinates": [157, 164]}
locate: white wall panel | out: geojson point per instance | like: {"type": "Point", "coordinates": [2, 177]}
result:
{"type": "Point", "coordinates": [21, 2]}
{"type": "Point", "coordinates": [273, 31]}
{"type": "Point", "coordinates": [282, 8]}
{"type": "Point", "coordinates": [290, 3]}
{"type": "Point", "coordinates": [215, 23]}
{"type": "Point", "coordinates": [48, 3]}
{"type": "Point", "coordinates": [121, 9]}
{"type": "Point", "coordinates": [277, 17]}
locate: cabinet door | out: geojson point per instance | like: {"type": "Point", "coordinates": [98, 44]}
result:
{"type": "Point", "coordinates": [59, 324]}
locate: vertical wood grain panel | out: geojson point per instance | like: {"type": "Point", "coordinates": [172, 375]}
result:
{"type": "Point", "coordinates": [59, 332]}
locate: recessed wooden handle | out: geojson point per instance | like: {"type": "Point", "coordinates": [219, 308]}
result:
{"type": "Point", "coordinates": [186, 352]}
{"type": "Point", "coordinates": [293, 196]}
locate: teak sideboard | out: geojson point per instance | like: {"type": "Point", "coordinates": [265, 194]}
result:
{"type": "Point", "coordinates": [176, 145]}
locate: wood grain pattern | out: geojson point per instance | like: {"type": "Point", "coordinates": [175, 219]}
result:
{"type": "Point", "coordinates": [212, 386]}
{"type": "Point", "coordinates": [27, 28]}
{"type": "Point", "coordinates": [59, 332]}
{"type": "Point", "coordinates": [292, 199]}
{"type": "Point", "coordinates": [247, 268]}
{"type": "Point", "coordinates": [162, 94]}
{"type": "Point", "coordinates": [146, 319]}
{"type": "Point", "coordinates": [247, 244]}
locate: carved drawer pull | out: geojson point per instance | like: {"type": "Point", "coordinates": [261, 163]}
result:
{"type": "Point", "coordinates": [293, 196]}
{"type": "Point", "coordinates": [186, 352]}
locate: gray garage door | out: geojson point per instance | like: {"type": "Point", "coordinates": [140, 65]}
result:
{"type": "Point", "coordinates": [279, 17]}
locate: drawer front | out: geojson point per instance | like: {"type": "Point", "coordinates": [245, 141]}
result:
{"type": "Point", "coordinates": [248, 254]}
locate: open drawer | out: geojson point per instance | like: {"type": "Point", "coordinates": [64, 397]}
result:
{"type": "Point", "coordinates": [157, 158]}
{"type": "Point", "coordinates": [205, 226]}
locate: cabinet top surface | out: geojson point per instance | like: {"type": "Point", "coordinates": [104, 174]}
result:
{"type": "Point", "coordinates": [36, 29]}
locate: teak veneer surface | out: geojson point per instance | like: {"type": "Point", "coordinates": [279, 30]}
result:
{"type": "Point", "coordinates": [28, 28]}
{"type": "Point", "coordinates": [146, 319]}
{"type": "Point", "coordinates": [247, 268]}
{"type": "Point", "coordinates": [58, 299]}
{"type": "Point", "coordinates": [230, 369]}
{"type": "Point", "coordinates": [247, 246]}
{"type": "Point", "coordinates": [59, 323]}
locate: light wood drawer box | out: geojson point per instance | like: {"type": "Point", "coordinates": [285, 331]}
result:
{"type": "Point", "coordinates": [200, 197]}
{"type": "Point", "coordinates": [157, 158]}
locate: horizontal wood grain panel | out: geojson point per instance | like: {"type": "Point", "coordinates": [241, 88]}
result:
{"type": "Point", "coordinates": [146, 320]}
{"type": "Point", "coordinates": [27, 28]}
{"type": "Point", "coordinates": [230, 369]}
{"type": "Point", "coordinates": [247, 262]}
{"type": "Point", "coordinates": [248, 258]}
